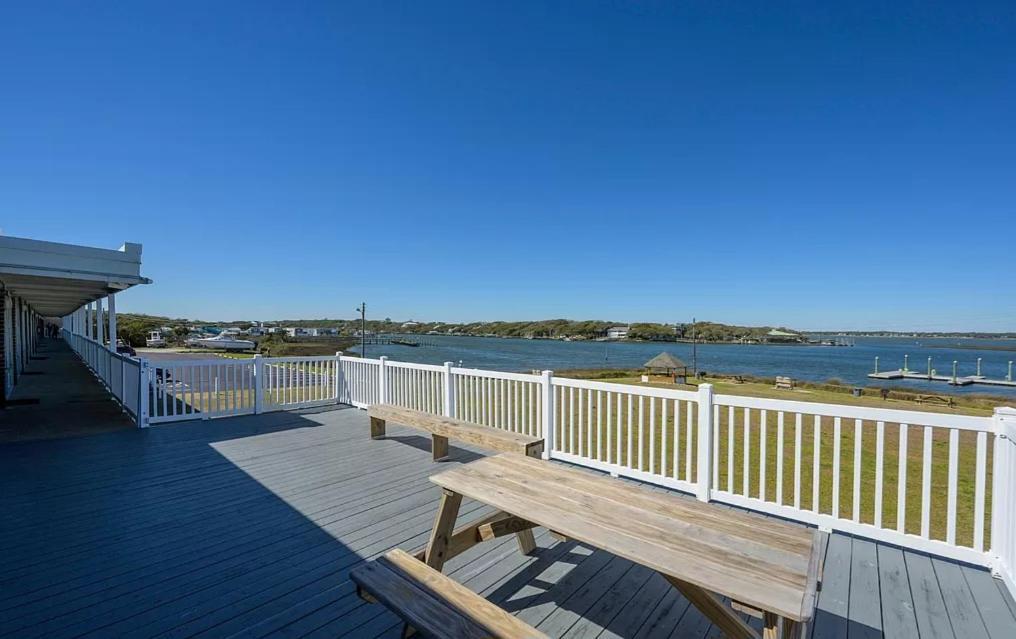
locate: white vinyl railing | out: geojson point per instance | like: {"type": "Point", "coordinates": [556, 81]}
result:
{"type": "Point", "coordinates": [936, 482]}
{"type": "Point", "coordinates": [118, 373]}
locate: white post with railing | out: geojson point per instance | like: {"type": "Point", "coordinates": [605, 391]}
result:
{"type": "Point", "coordinates": [338, 376]}
{"type": "Point", "coordinates": [382, 388]}
{"type": "Point", "coordinates": [705, 441]}
{"type": "Point", "coordinates": [259, 386]}
{"type": "Point", "coordinates": [449, 390]}
{"type": "Point", "coordinates": [1003, 499]}
{"type": "Point", "coordinates": [547, 387]}
{"type": "Point", "coordinates": [144, 388]}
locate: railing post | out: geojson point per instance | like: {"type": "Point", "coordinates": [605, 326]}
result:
{"type": "Point", "coordinates": [144, 391]}
{"type": "Point", "coordinates": [449, 391]}
{"type": "Point", "coordinates": [1003, 499]}
{"type": "Point", "coordinates": [547, 386]}
{"type": "Point", "coordinates": [382, 389]}
{"type": "Point", "coordinates": [338, 376]}
{"type": "Point", "coordinates": [705, 440]}
{"type": "Point", "coordinates": [259, 386]}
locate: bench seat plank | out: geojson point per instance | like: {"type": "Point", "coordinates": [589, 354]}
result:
{"type": "Point", "coordinates": [444, 428]}
{"type": "Point", "coordinates": [433, 604]}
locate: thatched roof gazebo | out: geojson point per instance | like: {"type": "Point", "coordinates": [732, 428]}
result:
{"type": "Point", "coordinates": [669, 365]}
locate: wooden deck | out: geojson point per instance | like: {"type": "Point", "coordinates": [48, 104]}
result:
{"type": "Point", "coordinates": [249, 526]}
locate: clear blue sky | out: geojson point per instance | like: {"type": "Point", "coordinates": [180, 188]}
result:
{"type": "Point", "coordinates": [848, 166]}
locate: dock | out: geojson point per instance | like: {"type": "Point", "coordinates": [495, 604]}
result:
{"type": "Point", "coordinates": [966, 380]}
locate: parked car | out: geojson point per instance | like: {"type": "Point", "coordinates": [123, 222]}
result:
{"type": "Point", "coordinates": [124, 348]}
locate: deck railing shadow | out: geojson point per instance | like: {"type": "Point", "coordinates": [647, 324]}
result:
{"type": "Point", "coordinates": [186, 528]}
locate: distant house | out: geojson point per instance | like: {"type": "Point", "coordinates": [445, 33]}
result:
{"type": "Point", "coordinates": [256, 331]}
{"type": "Point", "coordinates": [410, 324]}
{"type": "Point", "coordinates": [776, 336]}
{"type": "Point", "coordinates": [617, 332]}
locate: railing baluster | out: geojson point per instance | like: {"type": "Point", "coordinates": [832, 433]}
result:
{"type": "Point", "coordinates": [797, 460]}
{"type": "Point", "coordinates": [779, 458]}
{"type": "Point", "coordinates": [980, 478]}
{"type": "Point", "coordinates": [816, 471]}
{"type": "Point", "coordinates": [730, 449]}
{"type": "Point", "coordinates": [901, 483]}
{"type": "Point", "coordinates": [746, 454]}
{"type": "Point", "coordinates": [879, 458]}
{"type": "Point", "coordinates": [954, 445]}
{"type": "Point", "coordinates": [857, 470]}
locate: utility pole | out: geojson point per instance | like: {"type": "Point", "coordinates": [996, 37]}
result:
{"type": "Point", "coordinates": [694, 351]}
{"type": "Point", "coordinates": [363, 328]}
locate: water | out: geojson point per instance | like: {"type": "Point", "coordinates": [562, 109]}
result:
{"type": "Point", "coordinates": [812, 363]}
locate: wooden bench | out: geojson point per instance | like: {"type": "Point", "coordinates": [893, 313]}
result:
{"type": "Point", "coordinates": [432, 604]}
{"type": "Point", "coordinates": [784, 383]}
{"type": "Point", "coordinates": [444, 428]}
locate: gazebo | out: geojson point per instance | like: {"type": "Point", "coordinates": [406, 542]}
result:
{"type": "Point", "coordinates": [668, 365]}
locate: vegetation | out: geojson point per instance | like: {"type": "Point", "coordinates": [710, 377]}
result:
{"type": "Point", "coordinates": [135, 328]}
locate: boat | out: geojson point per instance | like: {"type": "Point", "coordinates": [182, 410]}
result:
{"type": "Point", "coordinates": [225, 342]}
{"type": "Point", "coordinates": [155, 340]}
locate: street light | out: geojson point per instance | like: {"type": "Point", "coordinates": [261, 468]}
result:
{"type": "Point", "coordinates": [363, 328]}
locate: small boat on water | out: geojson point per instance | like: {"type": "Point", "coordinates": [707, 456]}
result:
{"type": "Point", "coordinates": [155, 340]}
{"type": "Point", "coordinates": [225, 342]}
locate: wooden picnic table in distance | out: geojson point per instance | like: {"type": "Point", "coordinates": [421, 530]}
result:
{"type": "Point", "coordinates": [703, 550]}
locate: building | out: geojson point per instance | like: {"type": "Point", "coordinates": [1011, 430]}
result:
{"type": "Point", "coordinates": [776, 336]}
{"type": "Point", "coordinates": [50, 284]}
{"type": "Point", "coordinates": [617, 332]}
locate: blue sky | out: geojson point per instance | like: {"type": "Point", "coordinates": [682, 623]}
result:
{"type": "Point", "coordinates": [846, 166]}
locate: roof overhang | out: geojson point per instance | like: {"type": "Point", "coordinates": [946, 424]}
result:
{"type": "Point", "coordinates": [56, 279]}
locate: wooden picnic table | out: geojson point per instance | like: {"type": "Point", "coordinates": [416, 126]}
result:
{"type": "Point", "coordinates": [762, 565]}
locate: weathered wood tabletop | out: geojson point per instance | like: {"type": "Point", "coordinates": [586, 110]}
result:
{"type": "Point", "coordinates": [761, 563]}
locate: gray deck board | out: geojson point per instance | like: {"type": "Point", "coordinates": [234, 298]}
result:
{"type": "Point", "coordinates": [249, 526]}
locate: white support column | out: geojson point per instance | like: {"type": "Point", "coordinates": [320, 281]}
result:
{"type": "Point", "coordinates": [338, 376]}
{"type": "Point", "coordinates": [547, 388]}
{"type": "Point", "coordinates": [705, 441]}
{"type": "Point", "coordinates": [382, 389]}
{"type": "Point", "coordinates": [449, 390]}
{"type": "Point", "coordinates": [111, 310]}
{"type": "Point", "coordinates": [100, 330]}
{"type": "Point", "coordinates": [259, 385]}
{"type": "Point", "coordinates": [1003, 499]}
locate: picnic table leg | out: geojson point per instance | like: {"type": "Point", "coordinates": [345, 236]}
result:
{"type": "Point", "coordinates": [444, 523]}
{"type": "Point", "coordinates": [377, 428]}
{"type": "Point", "coordinates": [439, 447]}
{"type": "Point", "coordinates": [725, 619]}
{"type": "Point", "coordinates": [527, 543]}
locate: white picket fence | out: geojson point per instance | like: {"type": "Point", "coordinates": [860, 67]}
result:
{"type": "Point", "coordinates": [847, 468]}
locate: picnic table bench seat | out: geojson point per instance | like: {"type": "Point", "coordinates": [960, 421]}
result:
{"type": "Point", "coordinates": [432, 604]}
{"type": "Point", "coordinates": [444, 428]}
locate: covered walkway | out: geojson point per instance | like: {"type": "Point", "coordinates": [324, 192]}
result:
{"type": "Point", "coordinates": [58, 396]}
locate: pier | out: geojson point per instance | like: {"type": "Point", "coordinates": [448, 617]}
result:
{"type": "Point", "coordinates": [931, 375]}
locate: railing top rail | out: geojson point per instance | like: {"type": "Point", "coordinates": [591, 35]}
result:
{"type": "Point", "coordinates": [476, 372]}
{"type": "Point", "coordinates": [633, 389]}
{"type": "Point", "coordinates": [360, 360]}
{"type": "Point", "coordinates": [423, 367]}
{"type": "Point", "coordinates": [297, 359]}
{"type": "Point", "coordinates": [892, 415]}
{"type": "Point", "coordinates": [185, 363]}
